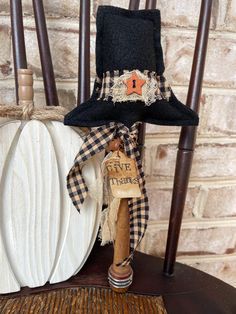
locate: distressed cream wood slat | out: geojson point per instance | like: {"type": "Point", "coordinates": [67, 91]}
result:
{"type": "Point", "coordinates": [76, 229]}
{"type": "Point", "coordinates": [8, 281]}
{"type": "Point", "coordinates": [31, 212]}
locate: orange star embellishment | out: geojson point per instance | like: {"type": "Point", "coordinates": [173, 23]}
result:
{"type": "Point", "coordinates": [134, 84]}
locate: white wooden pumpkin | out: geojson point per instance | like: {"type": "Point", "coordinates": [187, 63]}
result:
{"type": "Point", "coordinates": [42, 236]}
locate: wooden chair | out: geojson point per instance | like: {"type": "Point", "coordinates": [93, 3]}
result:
{"type": "Point", "coordinates": [184, 289]}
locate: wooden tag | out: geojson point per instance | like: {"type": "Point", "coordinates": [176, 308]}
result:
{"type": "Point", "coordinates": [122, 175]}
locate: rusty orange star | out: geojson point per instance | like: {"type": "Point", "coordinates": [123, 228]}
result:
{"type": "Point", "coordinates": [134, 84]}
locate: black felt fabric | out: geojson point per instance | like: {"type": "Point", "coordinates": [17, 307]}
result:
{"type": "Point", "coordinates": [99, 112]}
{"type": "Point", "coordinates": [129, 40]}
{"type": "Point", "coordinates": [122, 50]}
{"type": "Point", "coordinates": [132, 35]}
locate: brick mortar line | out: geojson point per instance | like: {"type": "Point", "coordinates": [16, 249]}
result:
{"type": "Point", "coordinates": [72, 83]}
{"type": "Point", "coordinates": [207, 258]}
{"type": "Point", "coordinates": [204, 223]}
{"type": "Point", "coordinates": [72, 24]}
{"type": "Point", "coordinates": [202, 183]}
{"type": "Point", "coordinates": [209, 89]}
{"type": "Point", "coordinates": [214, 34]}
{"type": "Point", "coordinates": [165, 139]}
{"type": "Point", "coordinates": [38, 83]}
{"type": "Point", "coordinates": [201, 137]}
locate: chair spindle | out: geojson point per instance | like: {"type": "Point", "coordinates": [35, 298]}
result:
{"type": "Point", "coordinates": [84, 53]}
{"type": "Point", "coordinates": [187, 140]}
{"type": "Point", "coordinates": [18, 40]}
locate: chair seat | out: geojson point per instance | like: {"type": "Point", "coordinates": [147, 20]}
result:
{"type": "Point", "coordinates": [188, 291]}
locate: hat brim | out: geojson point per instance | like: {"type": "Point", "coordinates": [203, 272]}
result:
{"type": "Point", "coordinates": [162, 112]}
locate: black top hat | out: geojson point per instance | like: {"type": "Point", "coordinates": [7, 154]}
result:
{"type": "Point", "coordinates": [130, 85]}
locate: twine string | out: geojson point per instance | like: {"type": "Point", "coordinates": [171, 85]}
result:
{"type": "Point", "coordinates": [27, 111]}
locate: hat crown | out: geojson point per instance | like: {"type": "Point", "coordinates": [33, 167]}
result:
{"type": "Point", "coordinates": [128, 40]}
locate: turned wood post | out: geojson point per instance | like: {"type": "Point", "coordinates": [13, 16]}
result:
{"type": "Point", "coordinates": [150, 4]}
{"type": "Point", "coordinates": [134, 4]}
{"type": "Point", "coordinates": [120, 277]}
{"type": "Point", "coordinates": [18, 40]}
{"type": "Point", "coordinates": [187, 140]}
{"type": "Point", "coordinates": [84, 52]}
{"type": "Point", "coordinates": [25, 86]}
{"type": "Point", "coordinates": [45, 54]}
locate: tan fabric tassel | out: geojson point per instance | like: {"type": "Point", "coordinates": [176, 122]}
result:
{"type": "Point", "coordinates": [107, 232]}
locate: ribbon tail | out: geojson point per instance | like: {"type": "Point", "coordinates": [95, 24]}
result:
{"type": "Point", "coordinates": [94, 143]}
{"type": "Point", "coordinates": [76, 186]}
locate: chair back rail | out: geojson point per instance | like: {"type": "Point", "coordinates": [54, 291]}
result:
{"type": "Point", "coordinates": [18, 40]}
{"type": "Point", "coordinates": [187, 140]}
{"type": "Point", "coordinates": [45, 54]}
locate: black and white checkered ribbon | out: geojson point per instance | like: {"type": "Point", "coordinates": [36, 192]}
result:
{"type": "Point", "coordinates": [96, 141]}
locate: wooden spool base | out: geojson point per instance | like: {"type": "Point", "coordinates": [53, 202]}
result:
{"type": "Point", "coordinates": [120, 282]}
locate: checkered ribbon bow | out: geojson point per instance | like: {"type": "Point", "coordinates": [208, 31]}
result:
{"type": "Point", "coordinates": [96, 141]}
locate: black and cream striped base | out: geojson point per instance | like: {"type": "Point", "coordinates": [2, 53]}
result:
{"type": "Point", "coordinates": [120, 282]}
